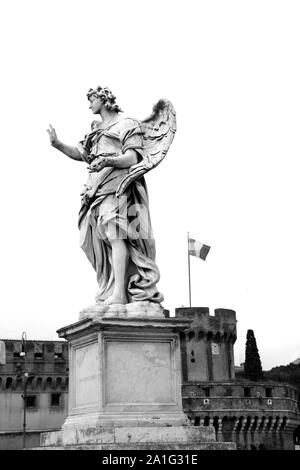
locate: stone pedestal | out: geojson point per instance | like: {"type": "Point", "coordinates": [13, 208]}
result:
{"type": "Point", "coordinates": [125, 382]}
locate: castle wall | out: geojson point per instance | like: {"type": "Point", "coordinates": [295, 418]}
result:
{"type": "Point", "coordinates": [253, 420]}
{"type": "Point", "coordinates": [46, 366]}
{"type": "Point", "coordinates": [202, 367]}
{"type": "Point", "coordinates": [220, 361]}
{"type": "Point", "coordinates": [209, 344]}
{"type": "Point", "coordinates": [249, 413]}
{"type": "Point", "coordinates": [42, 416]}
{"type": "Point", "coordinates": [196, 349]}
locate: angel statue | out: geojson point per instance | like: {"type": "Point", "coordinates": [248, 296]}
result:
{"type": "Point", "coordinates": [114, 220]}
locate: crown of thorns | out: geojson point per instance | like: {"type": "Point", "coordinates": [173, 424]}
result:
{"type": "Point", "coordinates": [106, 96]}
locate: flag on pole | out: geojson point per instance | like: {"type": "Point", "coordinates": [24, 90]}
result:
{"type": "Point", "coordinates": [198, 249]}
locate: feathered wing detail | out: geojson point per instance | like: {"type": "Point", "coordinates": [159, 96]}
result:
{"type": "Point", "coordinates": [158, 133]}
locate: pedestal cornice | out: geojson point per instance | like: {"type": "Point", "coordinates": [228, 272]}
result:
{"type": "Point", "coordinates": [173, 325]}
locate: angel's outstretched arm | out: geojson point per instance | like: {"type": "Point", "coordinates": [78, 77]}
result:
{"type": "Point", "coordinates": [70, 151]}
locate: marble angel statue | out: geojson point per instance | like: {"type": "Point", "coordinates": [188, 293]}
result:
{"type": "Point", "coordinates": [114, 220]}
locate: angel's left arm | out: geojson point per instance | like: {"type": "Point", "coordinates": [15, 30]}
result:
{"type": "Point", "coordinates": [131, 148]}
{"type": "Point", "coordinates": [132, 145]}
{"type": "Point", "coordinates": [126, 160]}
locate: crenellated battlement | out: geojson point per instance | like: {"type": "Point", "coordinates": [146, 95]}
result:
{"type": "Point", "coordinates": [220, 325]}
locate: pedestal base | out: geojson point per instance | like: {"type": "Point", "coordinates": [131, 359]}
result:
{"type": "Point", "coordinates": [125, 383]}
{"type": "Point", "coordinates": [144, 309]}
{"type": "Point", "coordinates": [124, 372]}
{"type": "Point", "coordinates": [136, 438]}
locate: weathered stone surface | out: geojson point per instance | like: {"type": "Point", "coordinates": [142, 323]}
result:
{"type": "Point", "coordinates": [86, 391]}
{"type": "Point", "coordinates": [174, 437]}
{"type": "Point", "coordinates": [150, 446]}
{"type": "Point", "coordinates": [147, 364]}
{"type": "Point", "coordinates": [132, 310]}
{"type": "Point", "coordinates": [124, 372]}
{"type": "Point", "coordinates": [179, 434]}
{"type": "Point", "coordinates": [85, 435]}
{"type": "Point", "coordinates": [53, 438]}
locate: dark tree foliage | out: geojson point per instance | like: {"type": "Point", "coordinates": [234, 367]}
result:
{"type": "Point", "coordinates": [289, 374]}
{"type": "Point", "coordinates": [252, 367]}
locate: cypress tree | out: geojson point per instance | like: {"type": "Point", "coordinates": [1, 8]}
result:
{"type": "Point", "coordinates": [252, 367]}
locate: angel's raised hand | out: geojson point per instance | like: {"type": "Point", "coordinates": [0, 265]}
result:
{"type": "Point", "coordinates": [52, 135]}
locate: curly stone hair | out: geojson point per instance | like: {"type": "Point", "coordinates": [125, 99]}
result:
{"type": "Point", "coordinates": [106, 96]}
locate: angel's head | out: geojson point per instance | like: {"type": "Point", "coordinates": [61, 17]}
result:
{"type": "Point", "coordinates": [102, 96]}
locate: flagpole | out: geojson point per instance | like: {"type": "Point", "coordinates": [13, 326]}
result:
{"type": "Point", "coordinates": [189, 269]}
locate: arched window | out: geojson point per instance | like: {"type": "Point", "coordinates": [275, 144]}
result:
{"type": "Point", "coordinates": [254, 425]}
{"type": "Point", "coordinates": [197, 421]}
{"type": "Point", "coordinates": [209, 335]}
{"type": "Point", "coordinates": [269, 422]}
{"type": "Point", "coordinates": [206, 421]}
{"type": "Point", "coordinates": [218, 337]}
{"type": "Point", "coordinates": [30, 382]}
{"type": "Point", "coordinates": [216, 423]}
{"type": "Point", "coordinates": [240, 423]}
{"type": "Point", "coordinates": [248, 423]}
{"type": "Point", "coordinates": [48, 382]}
{"type": "Point", "coordinates": [276, 424]}
{"type": "Point", "coordinates": [39, 383]}
{"type": "Point", "coordinates": [58, 382]}
{"type": "Point", "coordinates": [19, 383]}
{"type": "Point", "coordinates": [262, 422]}
{"type": "Point", "coordinates": [200, 335]}
{"type": "Point", "coordinates": [191, 335]}
{"type": "Point", "coordinates": [283, 424]}
{"type": "Point", "coordinates": [8, 383]}
{"type": "Point", "coordinates": [227, 427]}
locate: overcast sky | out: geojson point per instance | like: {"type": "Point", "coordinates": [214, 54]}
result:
{"type": "Point", "coordinates": [231, 177]}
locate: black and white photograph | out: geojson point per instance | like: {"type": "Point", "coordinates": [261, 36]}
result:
{"type": "Point", "coordinates": [150, 239]}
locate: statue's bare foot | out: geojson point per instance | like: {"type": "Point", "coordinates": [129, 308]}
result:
{"type": "Point", "coordinates": [116, 299]}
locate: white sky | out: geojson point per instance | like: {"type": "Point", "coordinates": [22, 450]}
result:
{"type": "Point", "coordinates": [231, 177]}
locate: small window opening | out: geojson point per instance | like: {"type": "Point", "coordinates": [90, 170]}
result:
{"type": "Point", "coordinates": [55, 399]}
{"type": "Point", "coordinates": [31, 401]}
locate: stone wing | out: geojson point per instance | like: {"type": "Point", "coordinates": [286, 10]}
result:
{"type": "Point", "coordinates": [158, 133]}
